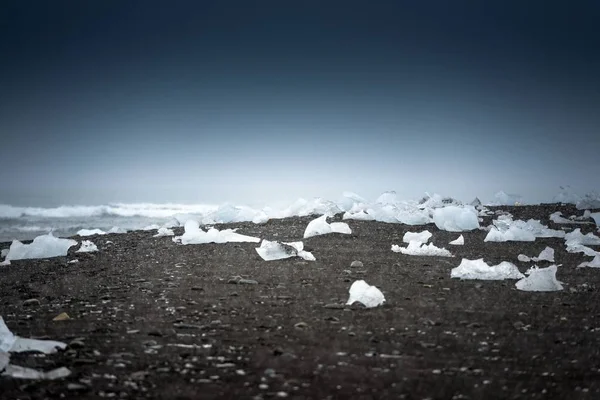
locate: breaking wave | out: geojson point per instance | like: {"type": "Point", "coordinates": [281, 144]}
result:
{"type": "Point", "coordinates": [149, 210]}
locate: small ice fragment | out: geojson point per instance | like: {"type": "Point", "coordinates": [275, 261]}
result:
{"type": "Point", "coordinates": [523, 258]}
{"type": "Point", "coordinates": [595, 263]}
{"type": "Point", "coordinates": [44, 246]}
{"type": "Point", "coordinates": [87, 247]}
{"type": "Point", "coordinates": [319, 226]}
{"type": "Point", "coordinates": [269, 251]}
{"type": "Point", "coordinates": [15, 371]}
{"type": "Point", "coordinates": [459, 241]}
{"type": "Point", "coordinates": [12, 343]}
{"type": "Point", "coordinates": [366, 294]}
{"type": "Point", "coordinates": [163, 231]}
{"type": "Point", "coordinates": [479, 269]}
{"type": "Point", "coordinates": [540, 280]}
{"type": "Point", "coordinates": [545, 255]}
{"type": "Point", "coordinates": [420, 237]}
{"type": "Point", "coordinates": [90, 232]}
{"type": "Point", "coordinates": [418, 249]}
{"type": "Point", "coordinates": [456, 218]}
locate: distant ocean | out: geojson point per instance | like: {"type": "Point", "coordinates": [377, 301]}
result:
{"type": "Point", "coordinates": [25, 223]}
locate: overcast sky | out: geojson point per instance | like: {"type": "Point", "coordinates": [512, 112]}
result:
{"type": "Point", "coordinates": [261, 101]}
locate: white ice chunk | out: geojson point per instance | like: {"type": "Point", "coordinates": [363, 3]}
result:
{"type": "Point", "coordinates": [12, 343]}
{"type": "Point", "coordinates": [320, 226]}
{"type": "Point", "coordinates": [511, 234]}
{"type": "Point", "coordinates": [340, 227]}
{"type": "Point", "coordinates": [595, 263]}
{"type": "Point", "coordinates": [576, 237]}
{"type": "Point", "coordinates": [420, 237]}
{"type": "Point", "coordinates": [545, 255]}
{"type": "Point", "coordinates": [90, 232]}
{"type": "Point", "coordinates": [194, 235]}
{"type": "Point", "coordinates": [164, 232]}
{"type": "Point", "coordinates": [503, 199]}
{"type": "Point", "coordinates": [479, 269]}
{"type": "Point", "coordinates": [87, 247]}
{"type": "Point", "coordinates": [116, 229]}
{"type": "Point", "coordinates": [523, 258]}
{"type": "Point", "coordinates": [269, 251]}
{"type": "Point", "coordinates": [579, 248]}
{"type": "Point", "coordinates": [44, 246]}
{"type": "Point", "coordinates": [349, 200]}
{"type": "Point", "coordinates": [590, 201]}
{"type": "Point", "coordinates": [566, 196]}
{"type": "Point", "coordinates": [4, 360]}
{"type": "Point", "coordinates": [4, 252]}
{"type": "Point", "coordinates": [387, 198]}
{"type": "Point", "coordinates": [558, 218]}
{"type": "Point", "coordinates": [419, 249]}
{"type": "Point", "coordinates": [151, 227]}
{"type": "Point", "coordinates": [14, 371]}
{"type": "Point", "coordinates": [359, 215]}
{"type": "Point", "coordinates": [366, 294]}
{"type": "Point", "coordinates": [540, 280]}
{"type": "Point", "coordinates": [456, 219]}
{"type": "Point", "coordinates": [596, 217]}
{"type": "Point", "coordinates": [459, 241]}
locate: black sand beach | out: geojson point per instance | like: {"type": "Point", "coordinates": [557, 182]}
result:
{"type": "Point", "coordinates": [150, 319]}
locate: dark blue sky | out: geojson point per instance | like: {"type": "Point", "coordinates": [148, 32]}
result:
{"type": "Point", "coordinates": [258, 101]}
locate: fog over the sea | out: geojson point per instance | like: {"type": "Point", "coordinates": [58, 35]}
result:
{"type": "Point", "coordinates": [262, 103]}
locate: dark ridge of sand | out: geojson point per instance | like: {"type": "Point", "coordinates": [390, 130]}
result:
{"type": "Point", "coordinates": [136, 301]}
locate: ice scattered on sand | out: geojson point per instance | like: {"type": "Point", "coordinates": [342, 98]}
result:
{"type": "Point", "coordinates": [74, 261]}
{"type": "Point", "coordinates": [194, 235]}
{"type": "Point", "coordinates": [5, 263]}
{"type": "Point", "coordinates": [164, 232]}
{"type": "Point", "coordinates": [456, 219]}
{"type": "Point", "coordinates": [359, 215]}
{"type": "Point", "coordinates": [420, 237]}
{"type": "Point", "coordinates": [44, 246]}
{"type": "Point", "coordinates": [90, 232]}
{"type": "Point", "coordinates": [579, 248]}
{"type": "Point", "coordinates": [14, 371]}
{"type": "Point", "coordinates": [419, 249]}
{"type": "Point", "coordinates": [15, 344]}
{"type": "Point", "coordinates": [87, 247]}
{"type": "Point", "coordinates": [319, 226]}
{"type": "Point", "coordinates": [116, 229]}
{"type": "Point", "coordinates": [595, 263]}
{"type": "Point", "coordinates": [545, 255]}
{"type": "Point", "coordinates": [4, 252]}
{"type": "Point", "coordinates": [540, 280]}
{"type": "Point", "coordinates": [366, 294]}
{"type": "Point", "coordinates": [513, 233]}
{"type": "Point", "coordinates": [558, 218]}
{"type": "Point", "coordinates": [269, 251]}
{"type": "Point", "coordinates": [576, 237]}
{"type": "Point", "coordinates": [505, 229]}
{"type": "Point", "coordinates": [479, 269]}
{"type": "Point", "coordinates": [151, 227]}
{"type": "Point", "coordinates": [459, 241]}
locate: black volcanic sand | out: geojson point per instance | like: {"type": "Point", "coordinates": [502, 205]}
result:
{"type": "Point", "coordinates": [153, 319]}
